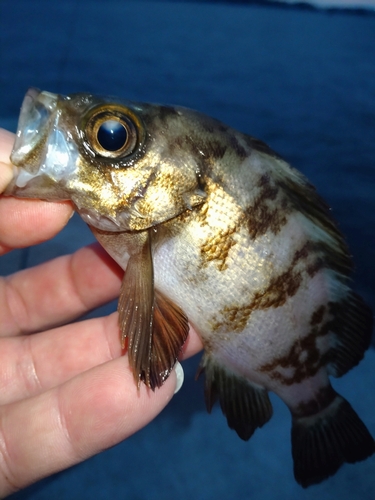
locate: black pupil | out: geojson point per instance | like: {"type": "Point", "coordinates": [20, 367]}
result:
{"type": "Point", "coordinates": [112, 135]}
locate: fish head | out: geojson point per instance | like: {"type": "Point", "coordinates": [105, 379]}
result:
{"type": "Point", "coordinates": [113, 159]}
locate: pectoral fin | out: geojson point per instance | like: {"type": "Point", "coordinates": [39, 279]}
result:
{"type": "Point", "coordinates": [135, 308]}
{"type": "Point", "coordinates": [153, 328]}
{"type": "Point", "coordinates": [170, 330]}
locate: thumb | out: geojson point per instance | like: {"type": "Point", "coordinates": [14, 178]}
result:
{"type": "Point", "coordinates": [6, 168]}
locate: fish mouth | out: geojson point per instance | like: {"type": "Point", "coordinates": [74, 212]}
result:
{"type": "Point", "coordinates": [36, 110]}
{"type": "Point", "coordinates": [43, 155]}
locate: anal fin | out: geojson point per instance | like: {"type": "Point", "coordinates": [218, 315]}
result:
{"type": "Point", "coordinates": [245, 405]}
{"type": "Point", "coordinates": [321, 443]}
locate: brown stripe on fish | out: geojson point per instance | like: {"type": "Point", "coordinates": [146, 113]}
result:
{"type": "Point", "coordinates": [315, 267]}
{"type": "Point", "coordinates": [309, 250]}
{"type": "Point", "coordinates": [279, 289]}
{"type": "Point", "coordinates": [216, 149]}
{"type": "Point", "coordinates": [334, 258]}
{"type": "Point", "coordinates": [323, 255]}
{"type": "Point", "coordinates": [266, 213]}
{"type": "Point", "coordinates": [303, 252]}
{"type": "Point", "coordinates": [204, 151]}
{"type": "Point", "coordinates": [323, 397]}
{"type": "Point", "coordinates": [303, 360]}
{"type": "Point", "coordinates": [165, 113]}
{"type": "Point", "coordinates": [304, 198]}
{"type": "Point", "coordinates": [238, 148]}
{"type": "Point", "coordinates": [222, 217]}
{"type": "Point", "coordinates": [348, 325]}
{"type": "Point", "coordinates": [216, 248]}
{"type": "Point", "coordinates": [317, 316]}
{"type": "Point", "coordinates": [277, 199]}
{"type": "Point", "coordinates": [212, 125]}
{"type": "Point", "coordinates": [261, 147]}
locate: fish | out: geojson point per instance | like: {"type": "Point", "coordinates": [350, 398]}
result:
{"type": "Point", "coordinates": [212, 228]}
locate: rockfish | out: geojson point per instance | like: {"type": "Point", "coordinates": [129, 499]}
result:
{"type": "Point", "coordinates": [212, 227]}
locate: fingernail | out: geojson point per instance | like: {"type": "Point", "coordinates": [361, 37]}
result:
{"type": "Point", "coordinates": [179, 376]}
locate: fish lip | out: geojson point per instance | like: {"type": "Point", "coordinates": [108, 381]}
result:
{"type": "Point", "coordinates": [36, 110]}
{"type": "Point", "coordinates": [56, 155]}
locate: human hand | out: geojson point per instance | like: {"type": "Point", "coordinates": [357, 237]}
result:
{"type": "Point", "coordinates": [66, 391]}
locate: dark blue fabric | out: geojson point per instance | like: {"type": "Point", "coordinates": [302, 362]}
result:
{"type": "Point", "coordinates": [303, 81]}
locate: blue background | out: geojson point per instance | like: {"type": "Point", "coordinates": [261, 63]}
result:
{"type": "Point", "coordinates": [303, 81]}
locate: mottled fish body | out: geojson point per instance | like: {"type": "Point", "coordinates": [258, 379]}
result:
{"type": "Point", "coordinates": [211, 226]}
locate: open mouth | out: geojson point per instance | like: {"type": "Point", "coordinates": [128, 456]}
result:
{"type": "Point", "coordinates": [36, 111]}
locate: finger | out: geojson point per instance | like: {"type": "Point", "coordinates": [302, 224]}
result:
{"type": "Point", "coordinates": [6, 168]}
{"type": "Point", "coordinates": [57, 291]}
{"type": "Point", "coordinates": [25, 222]}
{"type": "Point", "coordinates": [30, 222]}
{"type": "Point", "coordinates": [192, 345]}
{"type": "Point", "coordinates": [66, 425]}
{"type": "Point", "coordinates": [33, 364]}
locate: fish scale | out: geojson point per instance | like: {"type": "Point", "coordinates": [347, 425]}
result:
{"type": "Point", "coordinates": [213, 227]}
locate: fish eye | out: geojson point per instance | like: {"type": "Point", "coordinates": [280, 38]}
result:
{"type": "Point", "coordinates": [111, 133]}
